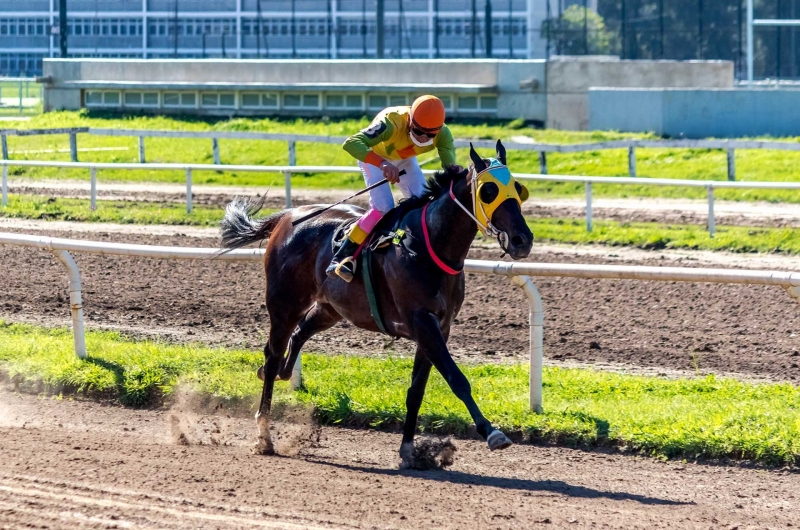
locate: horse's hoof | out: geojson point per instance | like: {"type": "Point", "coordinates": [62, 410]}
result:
{"type": "Point", "coordinates": [260, 372]}
{"type": "Point", "coordinates": [498, 440]}
{"type": "Point", "coordinates": [263, 447]}
{"type": "Point", "coordinates": [407, 455]}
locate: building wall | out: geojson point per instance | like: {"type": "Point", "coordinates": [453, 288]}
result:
{"type": "Point", "coordinates": [483, 88]}
{"type": "Point", "coordinates": [568, 82]}
{"type": "Point", "coordinates": [697, 113]}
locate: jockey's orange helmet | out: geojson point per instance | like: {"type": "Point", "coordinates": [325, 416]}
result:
{"type": "Point", "coordinates": [427, 114]}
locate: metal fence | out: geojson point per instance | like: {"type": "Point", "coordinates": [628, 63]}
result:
{"type": "Point", "coordinates": [519, 272]}
{"type": "Point", "coordinates": [287, 171]}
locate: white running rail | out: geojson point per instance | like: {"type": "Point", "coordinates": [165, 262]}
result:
{"type": "Point", "coordinates": [520, 273]}
{"type": "Point", "coordinates": [287, 171]}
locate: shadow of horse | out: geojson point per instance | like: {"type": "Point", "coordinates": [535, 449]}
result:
{"type": "Point", "coordinates": [552, 486]}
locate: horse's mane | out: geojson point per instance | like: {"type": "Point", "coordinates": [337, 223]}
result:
{"type": "Point", "coordinates": [434, 187]}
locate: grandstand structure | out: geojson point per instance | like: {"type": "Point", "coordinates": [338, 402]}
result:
{"type": "Point", "coordinates": [250, 29]}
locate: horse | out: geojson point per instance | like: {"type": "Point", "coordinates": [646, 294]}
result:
{"type": "Point", "coordinates": [420, 293]}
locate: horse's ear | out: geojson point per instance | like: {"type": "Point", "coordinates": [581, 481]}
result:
{"type": "Point", "coordinates": [501, 153]}
{"type": "Point", "coordinates": [480, 165]}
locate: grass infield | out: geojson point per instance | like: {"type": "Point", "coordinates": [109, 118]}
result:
{"type": "Point", "coordinates": [573, 231]}
{"type": "Point", "coordinates": [751, 165]}
{"type": "Point", "coordinates": [685, 418]}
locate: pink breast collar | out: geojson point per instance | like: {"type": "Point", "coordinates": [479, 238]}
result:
{"type": "Point", "coordinates": [442, 265]}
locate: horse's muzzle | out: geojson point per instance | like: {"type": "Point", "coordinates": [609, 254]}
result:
{"type": "Point", "coordinates": [519, 246]}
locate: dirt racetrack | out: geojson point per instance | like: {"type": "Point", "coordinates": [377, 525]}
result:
{"type": "Point", "coordinates": [73, 464]}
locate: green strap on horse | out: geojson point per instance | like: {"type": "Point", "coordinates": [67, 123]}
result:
{"type": "Point", "coordinates": [381, 240]}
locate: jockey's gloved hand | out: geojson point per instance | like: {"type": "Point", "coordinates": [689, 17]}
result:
{"type": "Point", "coordinates": [390, 172]}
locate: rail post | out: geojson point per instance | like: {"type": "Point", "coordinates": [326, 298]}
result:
{"type": "Point", "coordinates": [141, 150]}
{"type": "Point", "coordinates": [73, 146]}
{"type": "Point", "coordinates": [93, 191]}
{"type": "Point", "coordinates": [632, 161]}
{"type": "Point", "coordinates": [188, 190]}
{"type": "Point", "coordinates": [287, 179]}
{"type": "Point", "coordinates": [731, 164]}
{"type": "Point", "coordinates": [4, 140]}
{"type": "Point", "coordinates": [542, 162]}
{"type": "Point", "coordinates": [296, 380]}
{"type": "Point", "coordinates": [712, 228]}
{"type": "Point", "coordinates": [20, 97]}
{"type": "Point", "coordinates": [292, 153]}
{"type": "Point", "coordinates": [588, 206]}
{"type": "Point", "coordinates": [5, 186]}
{"type": "Point", "coordinates": [75, 302]}
{"type": "Point", "coordinates": [536, 323]}
{"type": "Point", "coordinates": [215, 149]}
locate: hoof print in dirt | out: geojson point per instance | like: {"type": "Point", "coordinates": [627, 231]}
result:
{"type": "Point", "coordinates": [430, 453]}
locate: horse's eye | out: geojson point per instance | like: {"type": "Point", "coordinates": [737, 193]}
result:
{"type": "Point", "coordinates": [522, 191]}
{"type": "Point", "coordinates": [489, 192]}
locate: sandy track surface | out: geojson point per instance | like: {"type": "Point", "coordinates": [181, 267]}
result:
{"type": "Point", "coordinates": [623, 210]}
{"type": "Point", "coordinates": [749, 331]}
{"type": "Point", "coordinates": [69, 464]}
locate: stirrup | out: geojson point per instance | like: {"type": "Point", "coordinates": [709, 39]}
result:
{"type": "Point", "coordinates": [344, 273]}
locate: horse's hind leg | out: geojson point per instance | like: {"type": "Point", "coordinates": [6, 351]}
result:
{"type": "Point", "coordinates": [282, 322]}
{"type": "Point", "coordinates": [319, 318]}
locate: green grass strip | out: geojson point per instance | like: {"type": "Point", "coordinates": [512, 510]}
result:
{"type": "Point", "coordinates": [690, 418]}
{"type": "Point", "coordinates": [651, 236]}
{"type": "Point", "coordinates": [702, 164]}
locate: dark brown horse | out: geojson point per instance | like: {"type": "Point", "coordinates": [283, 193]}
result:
{"type": "Point", "coordinates": [418, 299]}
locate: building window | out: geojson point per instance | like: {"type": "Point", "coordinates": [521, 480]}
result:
{"type": "Point", "coordinates": [269, 101]}
{"type": "Point", "coordinates": [227, 100]}
{"type": "Point", "coordinates": [447, 101]}
{"type": "Point", "coordinates": [301, 101]}
{"type": "Point", "coordinates": [488, 102]}
{"type": "Point", "coordinates": [467, 103]}
{"type": "Point", "coordinates": [150, 99]}
{"type": "Point", "coordinates": [209, 100]}
{"type": "Point", "coordinates": [344, 101]}
{"type": "Point", "coordinates": [94, 99]}
{"type": "Point", "coordinates": [251, 100]}
{"type": "Point", "coordinates": [188, 99]}
{"type": "Point", "coordinates": [111, 98]}
{"type": "Point", "coordinates": [397, 100]}
{"type": "Point", "coordinates": [172, 99]}
{"type": "Point", "coordinates": [377, 101]}
{"type": "Point", "coordinates": [133, 99]}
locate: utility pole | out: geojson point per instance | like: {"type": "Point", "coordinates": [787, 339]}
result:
{"type": "Point", "coordinates": [474, 25]}
{"type": "Point", "coordinates": [585, 27]}
{"type": "Point", "coordinates": [62, 27]}
{"type": "Point", "coordinates": [175, 29]}
{"type": "Point", "coordinates": [488, 27]}
{"type": "Point", "coordinates": [436, 28]}
{"type": "Point", "coordinates": [380, 14]}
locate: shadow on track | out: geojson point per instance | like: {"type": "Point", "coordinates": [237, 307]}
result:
{"type": "Point", "coordinates": [553, 486]}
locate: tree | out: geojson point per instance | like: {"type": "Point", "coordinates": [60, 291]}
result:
{"type": "Point", "coordinates": [579, 31]}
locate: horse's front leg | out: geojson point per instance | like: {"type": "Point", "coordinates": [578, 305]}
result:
{"type": "Point", "coordinates": [419, 380]}
{"type": "Point", "coordinates": [429, 337]}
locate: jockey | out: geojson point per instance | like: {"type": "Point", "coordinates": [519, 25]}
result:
{"type": "Point", "coordinates": [390, 144]}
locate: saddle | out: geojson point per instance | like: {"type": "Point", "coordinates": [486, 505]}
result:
{"type": "Point", "coordinates": [385, 234]}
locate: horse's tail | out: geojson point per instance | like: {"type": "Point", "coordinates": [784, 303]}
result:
{"type": "Point", "coordinates": [238, 226]}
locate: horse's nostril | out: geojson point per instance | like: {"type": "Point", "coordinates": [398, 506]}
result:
{"type": "Point", "coordinates": [517, 241]}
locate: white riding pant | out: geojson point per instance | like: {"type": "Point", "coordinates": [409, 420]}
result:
{"type": "Point", "coordinates": [412, 183]}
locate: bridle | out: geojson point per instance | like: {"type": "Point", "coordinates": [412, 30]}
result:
{"type": "Point", "coordinates": [488, 229]}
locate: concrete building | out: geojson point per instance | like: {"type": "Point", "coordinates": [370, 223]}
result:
{"type": "Point", "coordinates": [243, 29]}
{"type": "Point", "coordinates": [697, 112]}
{"type": "Point", "coordinates": [554, 93]}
